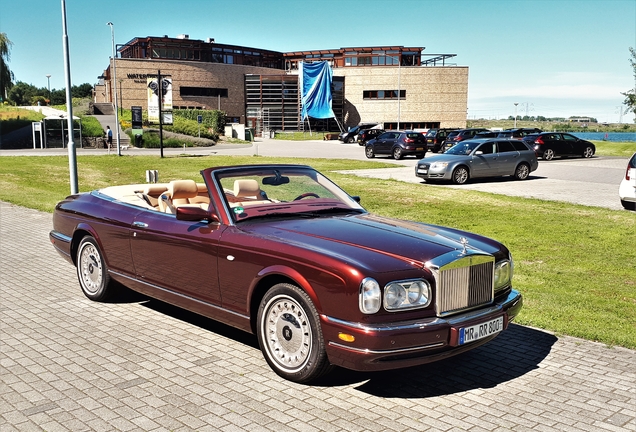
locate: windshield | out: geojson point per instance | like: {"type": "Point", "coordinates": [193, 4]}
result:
{"type": "Point", "coordinates": [281, 190]}
{"type": "Point", "coordinates": [463, 148]}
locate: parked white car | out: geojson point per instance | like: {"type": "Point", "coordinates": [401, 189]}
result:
{"type": "Point", "coordinates": [627, 189]}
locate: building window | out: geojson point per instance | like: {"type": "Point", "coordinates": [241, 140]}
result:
{"type": "Point", "coordinates": [383, 94]}
{"type": "Point", "coordinates": [203, 91]}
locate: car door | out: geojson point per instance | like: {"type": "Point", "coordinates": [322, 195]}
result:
{"type": "Point", "coordinates": [508, 158]}
{"type": "Point", "coordinates": [572, 145]}
{"type": "Point", "coordinates": [485, 163]}
{"type": "Point", "coordinates": [384, 143]}
{"type": "Point", "coordinates": [180, 256]}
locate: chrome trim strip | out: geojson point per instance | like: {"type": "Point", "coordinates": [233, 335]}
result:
{"type": "Point", "coordinates": [513, 297]}
{"type": "Point", "coordinates": [61, 237]}
{"type": "Point", "coordinates": [157, 287]}
{"type": "Point", "coordinates": [396, 351]}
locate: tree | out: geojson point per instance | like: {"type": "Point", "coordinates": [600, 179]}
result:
{"type": "Point", "coordinates": [6, 76]}
{"type": "Point", "coordinates": [22, 93]}
{"type": "Point", "coordinates": [630, 96]}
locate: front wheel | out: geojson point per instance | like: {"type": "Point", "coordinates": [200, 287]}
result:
{"type": "Point", "coordinates": [92, 272]}
{"type": "Point", "coordinates": [548, 154]}
{"type": "Point", "coordinates": [460, 175]}
{"type": "Point", "coordinates": [350, 140]}
{"type": "Point", "coordinates": [369, 152]}
{"type": "Point", "coordinates": [289, 334]}
{"type": "Point", "coordinates": [588, 152]}
{"type": "Point", "coordinates": [522, 172]}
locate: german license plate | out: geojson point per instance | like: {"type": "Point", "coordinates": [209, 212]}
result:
{"type": "Point", "coordinates": [480, 331]}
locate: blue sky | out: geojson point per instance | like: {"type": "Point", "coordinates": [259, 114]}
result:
{"type": "Point", "coordinates": [552, 57]}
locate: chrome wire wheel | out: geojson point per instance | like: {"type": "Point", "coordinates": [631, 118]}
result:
{"type": "Point", "coordinates": [287, 333]}
{"type": "Point", "coordinates": [91, 270]}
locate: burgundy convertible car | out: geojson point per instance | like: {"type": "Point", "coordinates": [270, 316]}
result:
{"type": "Point", "coordinates": [282, 252]}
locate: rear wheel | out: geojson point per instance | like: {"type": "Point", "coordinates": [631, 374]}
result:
{"type": "Point", "coordinates": [548, 154]}
{"type": "Point", "coordinates": [397, 153]}
{"type": "Point", "coordinates": [369, 152]}
{"type": "Point", "coordinates": [92, 272]}
{"type": "Point", "coordinates": [522, 172]}
{"type": "Point", "coordinates": [588, 152]}
{"type": "Point", "coordinates": [460, 175]}
{"type": "Point", "coordinates": [289, 334]}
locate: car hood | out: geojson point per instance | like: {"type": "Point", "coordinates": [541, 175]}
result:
{"type": "Point", "coordinates": [442, 158]}
{"type": "Point", "coordinates": [373, 242]}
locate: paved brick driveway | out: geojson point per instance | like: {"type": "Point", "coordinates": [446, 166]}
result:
{"type": "Point", "coordinates": [69, 364]}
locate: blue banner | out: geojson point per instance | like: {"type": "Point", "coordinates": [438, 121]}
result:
{"type": "Point", "coordinates": [315, 90]}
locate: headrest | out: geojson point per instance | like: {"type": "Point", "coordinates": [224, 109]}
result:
{"type": "Point", "coordinates": [182, 189]}
{"type": "Point", "coordinates": [154, 189]}
{"type": "Point", "coordinates": [246, 188]}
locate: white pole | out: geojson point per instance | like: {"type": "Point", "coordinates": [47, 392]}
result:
{"type": "Point", "coordinates": [112, 34]}
{"type": "Point", "coordinates": [72, 160]}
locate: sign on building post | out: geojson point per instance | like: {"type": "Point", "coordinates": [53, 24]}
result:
{"type": "Point", "coordinates": [158, 89]}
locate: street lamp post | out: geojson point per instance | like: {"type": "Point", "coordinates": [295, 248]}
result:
{"type": "Point", "coordinates": [516, 103]}
{"type": "Point", "coordinates": [114, 81]}
{"type": "Point", "coordinates": [48, 77]}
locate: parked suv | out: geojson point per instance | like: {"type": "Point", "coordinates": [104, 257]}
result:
{"type": "Point", "coordinates": [518, 133]}
{"type": "Point", "coordinates": [435, 138]}
{"type": "Point", "coordinates": [397, 144]}
{"type": "Point", "coordinates": [350, 135]}
{"type": "Point", "coordinates": [461, 135]}
{"type": "Point", "coordinates": [368, 134]}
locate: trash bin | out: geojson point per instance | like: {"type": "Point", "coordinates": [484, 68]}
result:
{"type": "Point", "coordinates": [249, 134]}
{"type": "Point", "coordinates": [138, 140]}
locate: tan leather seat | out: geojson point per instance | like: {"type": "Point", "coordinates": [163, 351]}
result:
{"type": "Point", "coordinates": [179, 193]}
{"type": "Point", "coordinates": [153, 191]}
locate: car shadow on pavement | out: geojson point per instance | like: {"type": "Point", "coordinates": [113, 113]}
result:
{"type": "Point", "coordinates": [512, 354]}
{"type": "Point", "coordinates": [515, 352]}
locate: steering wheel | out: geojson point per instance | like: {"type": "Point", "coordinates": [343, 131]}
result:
{"type": "Point", "coordinates": [305, 195]}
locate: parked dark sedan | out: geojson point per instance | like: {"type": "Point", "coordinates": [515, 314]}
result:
{"type": "Point", "coordinates": [480, 158]}
{"type": "Point", "coordinates": [461, 135]}
{"type": "Point", "coordinates": [397, 144]}
{"type": "Point", "coordinates": [435, 138]}
{"type": "Point", "coordinates": [350, 135]}
{"type": "Point", "coordinates": [548, 145]}
{"type": "Point", "coordinates": [368, 134]}
{"type": "Point", "coordinates": [284, 253]}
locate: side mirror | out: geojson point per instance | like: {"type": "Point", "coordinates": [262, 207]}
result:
{"type": "Point", "coordinates": [479, 152]}
{"type": "Point", "coordinates": [195, 214]}
{"type": "Point", "coordinates": [356, 198]}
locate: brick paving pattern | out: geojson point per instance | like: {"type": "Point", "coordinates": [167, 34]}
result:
{"type": "Point", "coordinates": [69, 364]}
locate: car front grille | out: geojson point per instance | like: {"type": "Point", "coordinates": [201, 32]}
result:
{"type": "Point", "coordinates": [464, 283]}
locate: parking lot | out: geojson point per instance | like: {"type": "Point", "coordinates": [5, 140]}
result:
{"type": "Point", "coordinates": [67, 363]}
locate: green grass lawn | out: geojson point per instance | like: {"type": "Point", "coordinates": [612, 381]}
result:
{"type": "Point", "coordinates": [575, 265]}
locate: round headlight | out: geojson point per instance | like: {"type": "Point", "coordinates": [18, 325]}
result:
{"type": "Point", "coordinates": [394, 296]}
{"type": "Point", "coordinates": [418, 293]}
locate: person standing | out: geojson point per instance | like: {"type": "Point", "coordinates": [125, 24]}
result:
{"type": "Point", "coordinates": [109, 136]}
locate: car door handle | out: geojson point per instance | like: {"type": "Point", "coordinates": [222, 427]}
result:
{"type": "Point", "coordinates": [138, 224]}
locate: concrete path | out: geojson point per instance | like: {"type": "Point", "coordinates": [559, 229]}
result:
{"type": "Point", "coordinates": [69, 364]}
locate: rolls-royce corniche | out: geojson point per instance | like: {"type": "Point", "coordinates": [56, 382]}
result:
{"type": "Point", "coordinates": [284, 253]}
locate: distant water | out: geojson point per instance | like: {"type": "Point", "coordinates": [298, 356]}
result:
{"type": "Point", "coordinates": [606, 136]}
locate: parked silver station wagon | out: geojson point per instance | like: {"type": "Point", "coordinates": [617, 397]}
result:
{"type": "Point", "coordinates": [479, 158]}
